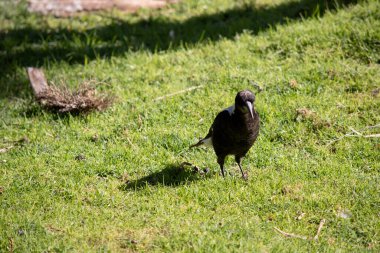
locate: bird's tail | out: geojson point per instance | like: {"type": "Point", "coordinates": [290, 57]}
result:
{"type": "Point", "coordinates": [197, 144]}
{"type": "Point", "coordinates": [205, 141]}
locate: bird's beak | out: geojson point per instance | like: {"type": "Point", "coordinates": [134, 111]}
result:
{"type": "Point", "coordinates": [249, 105]}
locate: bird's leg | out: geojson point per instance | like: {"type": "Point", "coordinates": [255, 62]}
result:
{"type": "Point", "coordinates": [221, 163]}
{"type": "Point", "coordinates": [237, 159]}
{"type": "Point", "coordinates": [222, 169]}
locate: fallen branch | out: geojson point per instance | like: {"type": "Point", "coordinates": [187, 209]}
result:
{"type": "Point", "coordinates": [179, 92]}
{"type": "Point", "coordinates": [319, 229]}
{"type": "Point", "coordinates": [286, 234]}
{"type": "Point", "coordinates": [355, 133]}
{"type": "Point", "coordinates": [37, 81]}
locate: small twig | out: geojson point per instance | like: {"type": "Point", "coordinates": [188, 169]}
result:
{"type": "Point", "coordinates": [53, 229]}
{"type": "Point", "coordinates": [319, 229]}
{"type": "Point", "coordinates": [372, 136]}
{"type": "Point", "coordinates": [299, 217]}
{"type": "Point", "coordinates": [353, 135]}
{"type": "Point", "coordinates": [183, 164]}
{"type": "Point", "coordinates": [178, 92]}
{"type": "Point", "coordinates": [375, 126]}
{"type": "Point", "coordinates": [131, 143]}
{"type": "Point", "coordinates": [290, 235]}
{"type": "Point", "coordinates": [357, 134]}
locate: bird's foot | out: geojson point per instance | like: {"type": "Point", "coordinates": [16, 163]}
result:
{"type": "Point", "coordinates": [245, 176]}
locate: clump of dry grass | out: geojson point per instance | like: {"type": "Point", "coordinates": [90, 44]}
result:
{"type": "Point", "coordinates": [305, 114]}
{"type": "Point", "coordinates": [62, 100]}
{"type": "Point", "coordinates": [83, 100]}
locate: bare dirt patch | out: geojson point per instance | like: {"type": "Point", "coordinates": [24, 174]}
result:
{"type": "Point", "coordinates": [64, 8]}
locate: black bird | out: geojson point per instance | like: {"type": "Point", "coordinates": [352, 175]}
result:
{"type": "Point", "coordinates": [234, 130]}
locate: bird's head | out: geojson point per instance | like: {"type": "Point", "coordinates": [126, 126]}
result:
{"type": "Point", "coordinates": [244, 102]}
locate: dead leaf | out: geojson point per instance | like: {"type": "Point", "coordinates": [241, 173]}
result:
{"type": "Point", "coordinates": [125, 178]}
{"type": "Point", "coordinates": [331, 241]}
{"type": "Point", "coordinates": [376, 92]}
{"type": "Point", "coordinates": [293, 84]}
{"type": "Point", "coordinates": [291, 189]}
{"type": "Point", "coordinates": [94, 138]}
{"type": "Point", "coordinates": [370, 245]}
{"type": "Point", "coordinates": [331, 74]}
{"type": "Point", "coordinates": [11, 245]}
{"type": "Point", "coordinates": [53, 229]}
{"type": "Point", "coordinates": [305, 113]}
{"type": "Point", "coordinates": [24, 140]}
{"type": "Point", "coordinates": [300, 216]}
{"type": "Point", "coordinates": [80, 157]}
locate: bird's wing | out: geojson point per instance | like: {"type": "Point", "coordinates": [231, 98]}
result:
{"type": "Point", "coordinates": [222, 125]}
{"type": "Point", "coordinates": [218, 123]}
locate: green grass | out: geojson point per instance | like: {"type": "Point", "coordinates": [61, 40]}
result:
{"type": "Point", "coordinates": [53, 202]}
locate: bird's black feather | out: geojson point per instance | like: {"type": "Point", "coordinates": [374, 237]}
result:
{"type": "Point", "coordinates": [233, 132]}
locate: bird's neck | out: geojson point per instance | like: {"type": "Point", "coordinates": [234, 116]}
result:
{"type": "Point", "coordinates": [244, 115]}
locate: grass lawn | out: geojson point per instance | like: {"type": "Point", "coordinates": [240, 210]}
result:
{"type": "Point", "coordinates": [129, 191]}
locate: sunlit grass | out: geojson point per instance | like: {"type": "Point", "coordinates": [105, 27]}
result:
{"type": "Point", "coordinates": [112, 180]}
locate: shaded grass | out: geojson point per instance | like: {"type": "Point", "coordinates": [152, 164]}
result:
{"type": "Point", "coordinates": [73, 42]}
{"type": "Point", "coordinates": [53, 201]}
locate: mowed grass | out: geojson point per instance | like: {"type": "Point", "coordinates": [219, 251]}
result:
{"type": "Point", "coordinates": [129, 193]}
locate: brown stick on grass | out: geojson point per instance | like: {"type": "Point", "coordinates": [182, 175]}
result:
{"type": "Point", "coordinates": [303, 237]}
{"type": "Point", "coordinates": [323, 221]}
{"type": "Point", "coordinates": [286, 234]}
{"type": "Point", "coordinates": [178, 92]}
{"type": "Point", "coordinates": [37, 80]}
{"type": "Point", "coordinates": [62, 99]}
